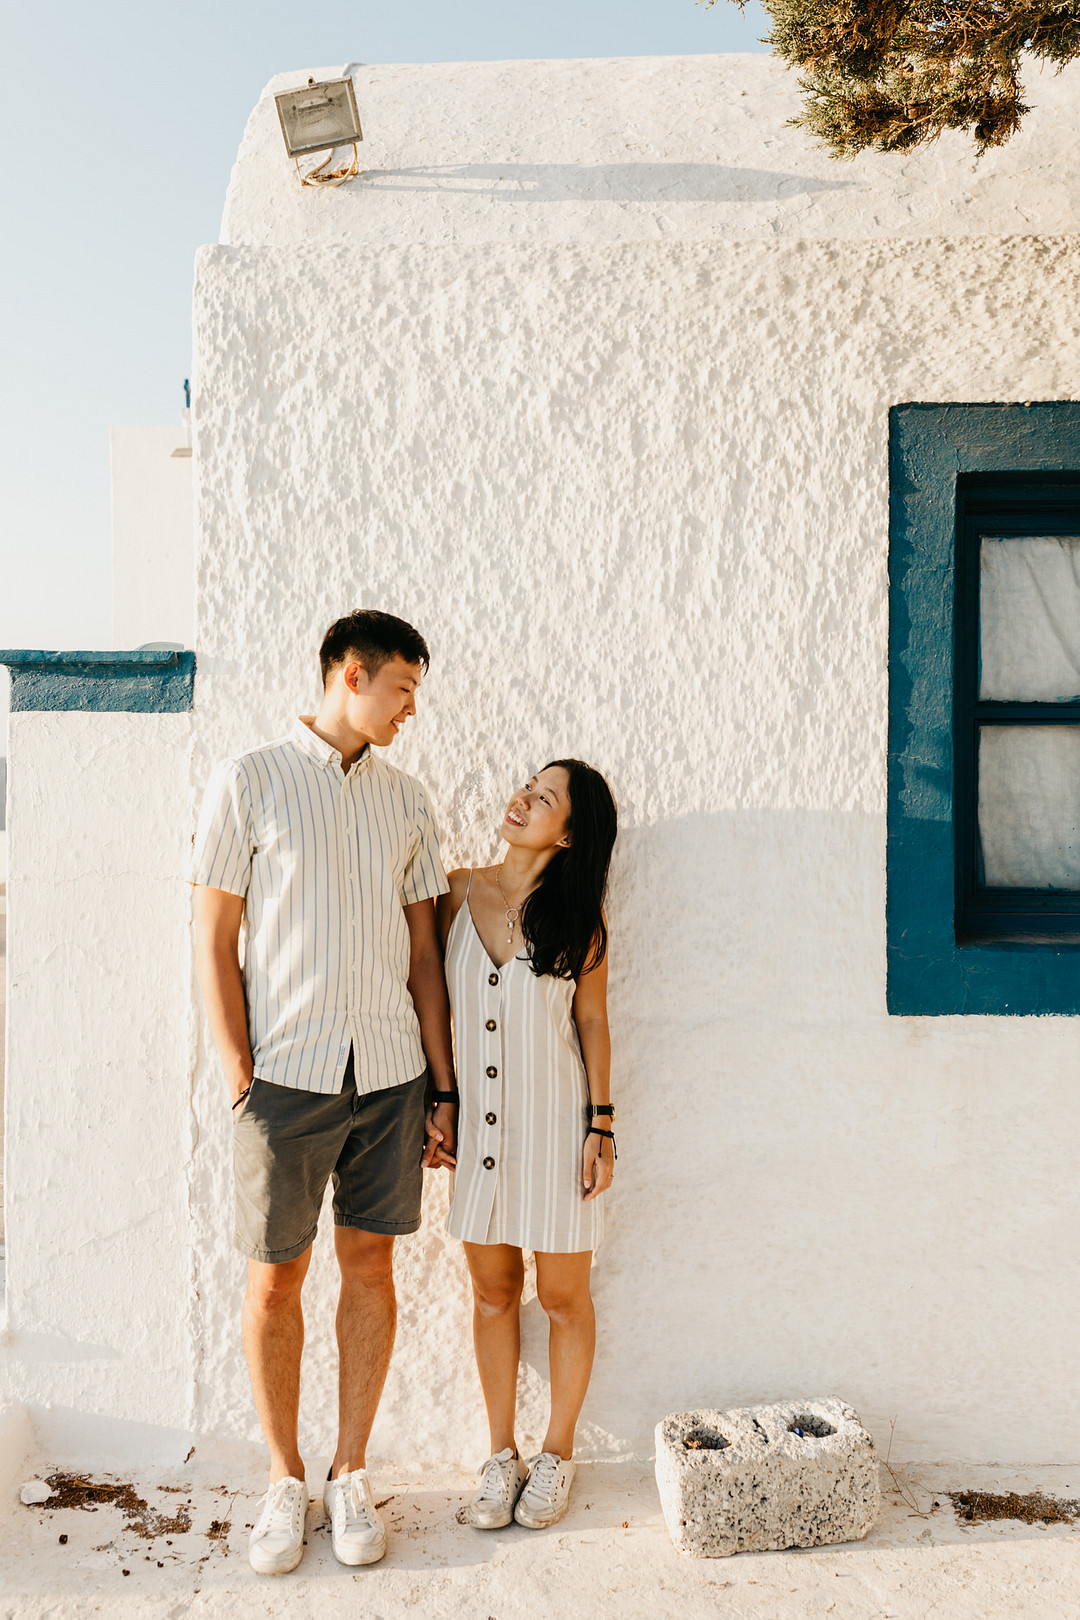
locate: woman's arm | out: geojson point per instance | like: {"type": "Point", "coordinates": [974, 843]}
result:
{"type": "Point", "coordinates": [590, 1017]}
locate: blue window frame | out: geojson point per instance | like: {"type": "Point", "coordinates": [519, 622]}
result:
{"type": "Point", "coordinates": [957, 941]}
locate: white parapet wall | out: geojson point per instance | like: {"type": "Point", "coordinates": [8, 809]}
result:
{"type": "Point", "coordinates": [97, 1344]}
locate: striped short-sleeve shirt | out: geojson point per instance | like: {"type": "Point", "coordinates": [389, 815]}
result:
{"type": "Point", "coordinates": [325, 862]}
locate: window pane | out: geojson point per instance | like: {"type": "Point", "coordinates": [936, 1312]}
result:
{"type": "Point", "coordinates": [1029, 617]}
{"type": "Point", "coordinates": [1029, 806]}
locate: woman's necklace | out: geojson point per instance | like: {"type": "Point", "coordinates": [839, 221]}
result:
{"type": "Point", "coordinates": [512, 912]}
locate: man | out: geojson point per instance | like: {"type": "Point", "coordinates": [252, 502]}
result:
{"type": "Point", "coordinates": [328, 857]}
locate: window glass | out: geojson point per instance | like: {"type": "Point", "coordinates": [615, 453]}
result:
{"type": "Point", "coordinates": [1029, 618]}
{"type": "Point", "coordinates": [1029, 806]}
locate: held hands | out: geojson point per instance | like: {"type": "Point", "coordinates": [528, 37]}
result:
{"type": "Point", "coordinates": [440, 1125]}
{"type": "Point", "coordinates": [597, 1165]}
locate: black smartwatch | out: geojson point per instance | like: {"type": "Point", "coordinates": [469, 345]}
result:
{"type": "Point", "coordinates": [438, 1097]}
{"type": "Point", "coordinates": [601, 1110]}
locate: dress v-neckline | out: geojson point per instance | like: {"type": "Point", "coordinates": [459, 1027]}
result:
{"type": "Point", "coordinates": [498, 966]}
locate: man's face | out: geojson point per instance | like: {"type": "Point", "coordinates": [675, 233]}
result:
{"type": "Point", "coordinates": [379, 705]}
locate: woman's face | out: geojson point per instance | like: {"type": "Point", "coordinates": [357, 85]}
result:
{"type": "Point", "coordinates": [536, 817]}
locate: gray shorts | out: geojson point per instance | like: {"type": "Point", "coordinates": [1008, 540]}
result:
{"type": "Point", "coordinates": [287, 1144]}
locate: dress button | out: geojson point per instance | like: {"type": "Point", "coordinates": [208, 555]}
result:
{"type": "Point", "coordinates": [493, 978]}
{"type": "Point", "coordinates": [491, 1071]}
{"type": "Point", "coordinates": [490, 1024]}
{"type": "Point", "coordinates": [491, 1118]}
{"type": "Point", "coordinates": [489, 1163]}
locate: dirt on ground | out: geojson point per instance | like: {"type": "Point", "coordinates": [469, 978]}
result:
{"type": "Point", "coordinates": [978, 1507]}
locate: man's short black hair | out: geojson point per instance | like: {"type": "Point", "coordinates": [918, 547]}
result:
{"type": "Point", "coordinates": [372, 638]}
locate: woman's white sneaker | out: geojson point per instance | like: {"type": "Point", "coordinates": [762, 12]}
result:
{"type": "Point", "coordinates": [276, 1543]}
{"type": "Point", "coordinates": [357, 1533]}
{"type": "Point", "coordinates": [501, 1480]}
{"type": "Point", "coordinates": [546, 1496]}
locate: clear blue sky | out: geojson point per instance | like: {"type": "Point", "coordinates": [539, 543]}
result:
{"type": "Point", "coordinates": [122, 122]}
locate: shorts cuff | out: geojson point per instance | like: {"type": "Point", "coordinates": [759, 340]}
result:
{"type": "Point", "coordinates": [362, 1223]}
{"type": "Point", "coordinates": [274, 1257]}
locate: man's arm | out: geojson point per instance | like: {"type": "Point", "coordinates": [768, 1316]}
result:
{"type": "Point", "coordinates": [218, 916]}
{"type": "Point", "coordinates": [427, 986]}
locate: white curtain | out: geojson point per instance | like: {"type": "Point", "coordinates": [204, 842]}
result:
{"type": "Point", "coordinates": [1029, 618]}
{"type": "Point", "coordinates": [1029, 806]}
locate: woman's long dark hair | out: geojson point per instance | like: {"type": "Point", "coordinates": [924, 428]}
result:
{"type": "Point", "coordinates": [563, 919]}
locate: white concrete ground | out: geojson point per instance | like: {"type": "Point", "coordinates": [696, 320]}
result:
{"type": "Point", "coordinates": [610, 1556]}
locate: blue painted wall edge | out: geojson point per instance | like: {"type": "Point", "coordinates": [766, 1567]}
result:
{"type": "Point", "coordinates": [142, 681]}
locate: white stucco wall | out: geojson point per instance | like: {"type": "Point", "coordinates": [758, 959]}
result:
{"type": "Point", "coordinates": [616, 441]}
{"type": "Point", "coordinates": [153, 584]}
{"type": "Point", "coordinates": [637, 498]}
{"type": "Point", "coordinates": [589, 378]}
{"type": "Point", "coordinates": [99, 1127]}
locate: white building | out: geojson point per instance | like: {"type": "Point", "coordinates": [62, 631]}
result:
{"type": "Point", "coordinates": [153, 574]}
{"type": "Point", "coordinates": [593, 376]}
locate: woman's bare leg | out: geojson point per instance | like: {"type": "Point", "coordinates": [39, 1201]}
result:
{"type": "Point", "coordinates": [562, 1282]}
{"type": "Point", "coordinates": [498, 1276]}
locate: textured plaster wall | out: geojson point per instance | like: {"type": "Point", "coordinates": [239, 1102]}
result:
{"type": "Point", "coordinates": [153, 583]}
{"type": "Point", "coordinates": [99, 1127]}
{"type": "Point", "coordinates": [589, 377]}
{"type": "Point", "coordinates": [636, 496]}
{"type": "Point", "coordinates": [637, 149]}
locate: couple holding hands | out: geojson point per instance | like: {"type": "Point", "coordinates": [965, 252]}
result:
{"type": "Point", "coordinates": [333, 1022]}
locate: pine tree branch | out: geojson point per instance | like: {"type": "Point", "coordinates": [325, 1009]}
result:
{"type": "Point", "coordinates": [892, 75]}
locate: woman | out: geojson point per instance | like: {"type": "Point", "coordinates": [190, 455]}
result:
{"type": "Point", "coordinates": [526, 967]}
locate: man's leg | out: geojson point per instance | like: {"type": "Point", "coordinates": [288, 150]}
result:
{"type": "Point", "coordinates": [273, 1342]}
{"type": "Point", "coordinates": [366, 1320]}
{"type": "Point", "coordinates": [377, 1189]}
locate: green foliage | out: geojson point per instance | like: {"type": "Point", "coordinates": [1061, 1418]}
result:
{"type": "Point", "coordinates": [893, 74]}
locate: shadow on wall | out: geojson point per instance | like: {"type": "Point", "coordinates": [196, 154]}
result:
{"type": "Point", "coordinates": [747, 971]}
{"type": "Point", "coordinates": [611, 182]}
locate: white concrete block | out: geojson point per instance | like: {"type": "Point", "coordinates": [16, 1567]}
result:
{"type": "Point", "coordinates": [761, 1478]}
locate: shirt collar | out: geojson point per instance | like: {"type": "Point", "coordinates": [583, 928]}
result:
{"type": "Point", "coordinates": [318, 748]}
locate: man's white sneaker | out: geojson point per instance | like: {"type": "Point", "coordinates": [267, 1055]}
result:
{"type": "Point", "coordinates": [356, 1530]}
{"type": "Point", "coordinates": [501, 1480]}
{"type": "Point", "coordinates": [276, 1544]}
{"type": "Point", "coordinates": [546, 1496]}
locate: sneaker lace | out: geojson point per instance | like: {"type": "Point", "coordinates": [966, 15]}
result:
{"type": "Point", "coordinates": [542, 1476]}
{"type": "Point", "coordinates": [493, 1483]}
{"type": "Point", "coordinates": [353, 1506]}
{"type": "Point", "coordinates": [280, 1506]}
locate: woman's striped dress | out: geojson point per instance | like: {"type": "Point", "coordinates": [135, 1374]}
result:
{"type": "Point", "coordinates": [524, 1096]}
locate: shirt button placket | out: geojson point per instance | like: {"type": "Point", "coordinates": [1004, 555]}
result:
{"type": "Point", "coordinates": [493, 1046]}
{"type": "Point", "coordinates": [350, 916]}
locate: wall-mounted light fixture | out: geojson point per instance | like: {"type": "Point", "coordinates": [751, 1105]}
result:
{"type": "Point", "coordinates": [320, 118]}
